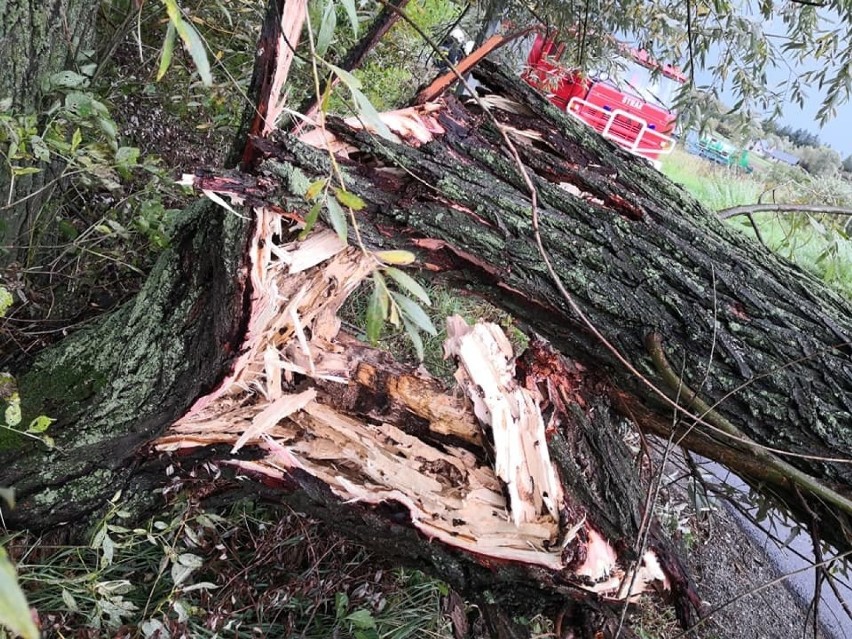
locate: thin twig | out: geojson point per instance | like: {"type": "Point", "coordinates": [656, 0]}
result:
{"type": "Point", "coordinates": [726, 214]}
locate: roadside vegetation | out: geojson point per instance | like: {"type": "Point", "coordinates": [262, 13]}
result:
{"type": "Point", "coordinates": [819, 243]}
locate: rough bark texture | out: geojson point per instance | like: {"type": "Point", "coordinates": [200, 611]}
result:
{"type": "Point", "coordinates": [763, 342]}
{"type": "Point", "coordinates": [114, 386]}
{"type": "Point", "coordinates": [36, 39]}
{"type": "Point", "coordinates": [640, 257]}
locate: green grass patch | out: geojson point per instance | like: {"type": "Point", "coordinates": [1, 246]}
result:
{"type": "Point", "coordinates": [716, 187]}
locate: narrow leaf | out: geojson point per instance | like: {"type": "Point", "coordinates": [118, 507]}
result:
{"type": "Point", "coordinates": [327, 27]}
{"type": "Point", "coordinates": [76, 139]}
{"type": "Point", "coordinates": [412, 311]}
{"type": "Point", "coordinates": [314, 189]}
{"type": "Point", "coordinates": [337, 218]}
{"type": "Point", "coordinates": [349, 199]}
{"type": "Point", "coordinates": [352, 12]}
{"type": "Point", "coordinates": [199, 54]}
{"type": "Point", "coordinates": [383, 285]}
{"type": "Point", "coordinates": [402, 258]}
{"type": "Point", "coordinates": [408, 283]}
{"type": "Point", "coordinates": [351, 82]}
{"type": "Point", "coordinates": [311, 219]}
{"type": "Point", "coordinates": [375, 316]}
{"type": "Point", "coordinates": [191, 40]}
{"type": "Point", "coordinates": [414, 336]}
{"type": "Point", "coordinates": [167, 51]}
{"type": "Point", "coordinates": [368, 113]}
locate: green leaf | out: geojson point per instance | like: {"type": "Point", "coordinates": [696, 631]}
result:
{"type": "Point", "coordinates": [351, 82]}
{"type": "Point", "coordinates": [337, 217]}
{"type": "Point", "coordinates": [314, 189]}
{"type": "Point", "coordinates": [408, 283]}
{"type": "Point", "coordinates": [6, 300]}
{"type": "Point", "coordinates": [191, 40]}
{"type": "Point", "coordinates": [311, 219]}
{"type": "Point", "coordinates": [341, 604]}
{"type": "Point", "coordinates": [412, 311]}
{"type": "Point", "coordinates": [375, 315]}
{"type": "Point", "coordinates": [383, 285]}
{"type": "Point", "coordinates": [76, 139]}
{"type": "Point", "coordinates": [80, 103]}
{"type": "Point", "coordinates": [167, 51]}
{"type": "Point", "coordinates": [108, 548]}
{"type": "Point", "coordinates": [327, 27]}
{"type": "Point", "coordinates": [40, 150]}
{"type": "Point", "coordinates": [127, 156]}
{"type": "Point", "coordinates": [352, 12]}
{"type": "Point", "coordinates": [414, 336]}
{"type": "Point", "coordinates": [14, 611]}
{"type": "Point", "coordinates": [69, 601]}
{"type": "Point", "coordinates": [12, 414]}
{"type": "Point", "coordinates": [40, 424]}
{"type": "Point", "coordinates": [25, 170]}
{"type": "Point", "coordinates": [349, 199]}
{"type": "Point", "coordinates": [367, 112]}
{"type": "Point", "coordinates": [68, 80]}
{"type": "Point", "coordinates": [362, 619]}
{"type": "Point", "coordinates": [199, 54]}
{"type": "Point", "coordinates": [107, 125]}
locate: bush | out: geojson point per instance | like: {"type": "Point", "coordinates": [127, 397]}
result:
{"type": "Point", "coordinates": [819, 160]}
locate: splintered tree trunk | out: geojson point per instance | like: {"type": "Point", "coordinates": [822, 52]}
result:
{"type": "Point", "coordinates": [517, 480]}
{"type": "Point", "coordinates": [755, 350]}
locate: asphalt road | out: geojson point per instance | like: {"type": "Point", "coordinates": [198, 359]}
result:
{"type": "Point", "coordinates": [793, 553]}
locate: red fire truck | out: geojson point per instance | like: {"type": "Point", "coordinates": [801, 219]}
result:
{"type": "Point", "coordinates": [631, 111]}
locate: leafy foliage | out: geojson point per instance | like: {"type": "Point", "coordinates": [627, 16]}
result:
{"type": "Point", "coordinates": [728, 39]}
{"type": "Point", "coordinates": [819, 161]}
{"type": "Point", "coordinates": [244, 570]}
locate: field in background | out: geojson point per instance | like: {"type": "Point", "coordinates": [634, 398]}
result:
{"type": "Point", "coordinates": [819, 244]}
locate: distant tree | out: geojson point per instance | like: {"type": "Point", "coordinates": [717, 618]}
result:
{"type": "Point", "coordinates": [821, 160]}
{"type": "Point", "coordinates": [847, 164]}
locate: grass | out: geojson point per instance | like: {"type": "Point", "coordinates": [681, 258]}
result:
{"type": "Point", "coordinates": [818, 244]}
{"type": "Point", "coordinates": [716, 187]}
{"type": "Point", "coordinates": [245, 571]}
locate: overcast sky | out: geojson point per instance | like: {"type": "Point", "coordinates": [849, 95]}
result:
{"type": "Point", "coordinates": [837, 133]}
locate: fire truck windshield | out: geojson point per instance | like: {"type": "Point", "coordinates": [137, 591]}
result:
{"type": "Point", "coordinates": [641, 82]}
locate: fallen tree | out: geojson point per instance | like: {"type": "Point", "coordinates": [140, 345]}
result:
{"type": "Point", "coordinates": [658, 312]}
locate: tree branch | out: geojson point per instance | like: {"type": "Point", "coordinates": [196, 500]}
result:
{"type": "Point", "coordinates": [748, 209]}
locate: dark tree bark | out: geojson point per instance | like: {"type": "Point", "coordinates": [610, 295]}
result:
{"type": "Point", "coordinates": [763, 343]}
{"type": "Point", "coordinates": [37, 39]}
{"type": "Point", "coordinates": [659, 276]}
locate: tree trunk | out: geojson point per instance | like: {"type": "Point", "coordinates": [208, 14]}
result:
{"type": "Point", "coordinates": [231, 343]}
{"type": "Point", "coordinates": [749, 343]}
{"type": "Point", "coordinates": [37, 39]}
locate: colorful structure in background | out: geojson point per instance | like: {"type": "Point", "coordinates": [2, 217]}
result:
{"type": "Point", "coordinates": [720, 152]}
{"type": "Point", "coordinates": [632, 110]}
